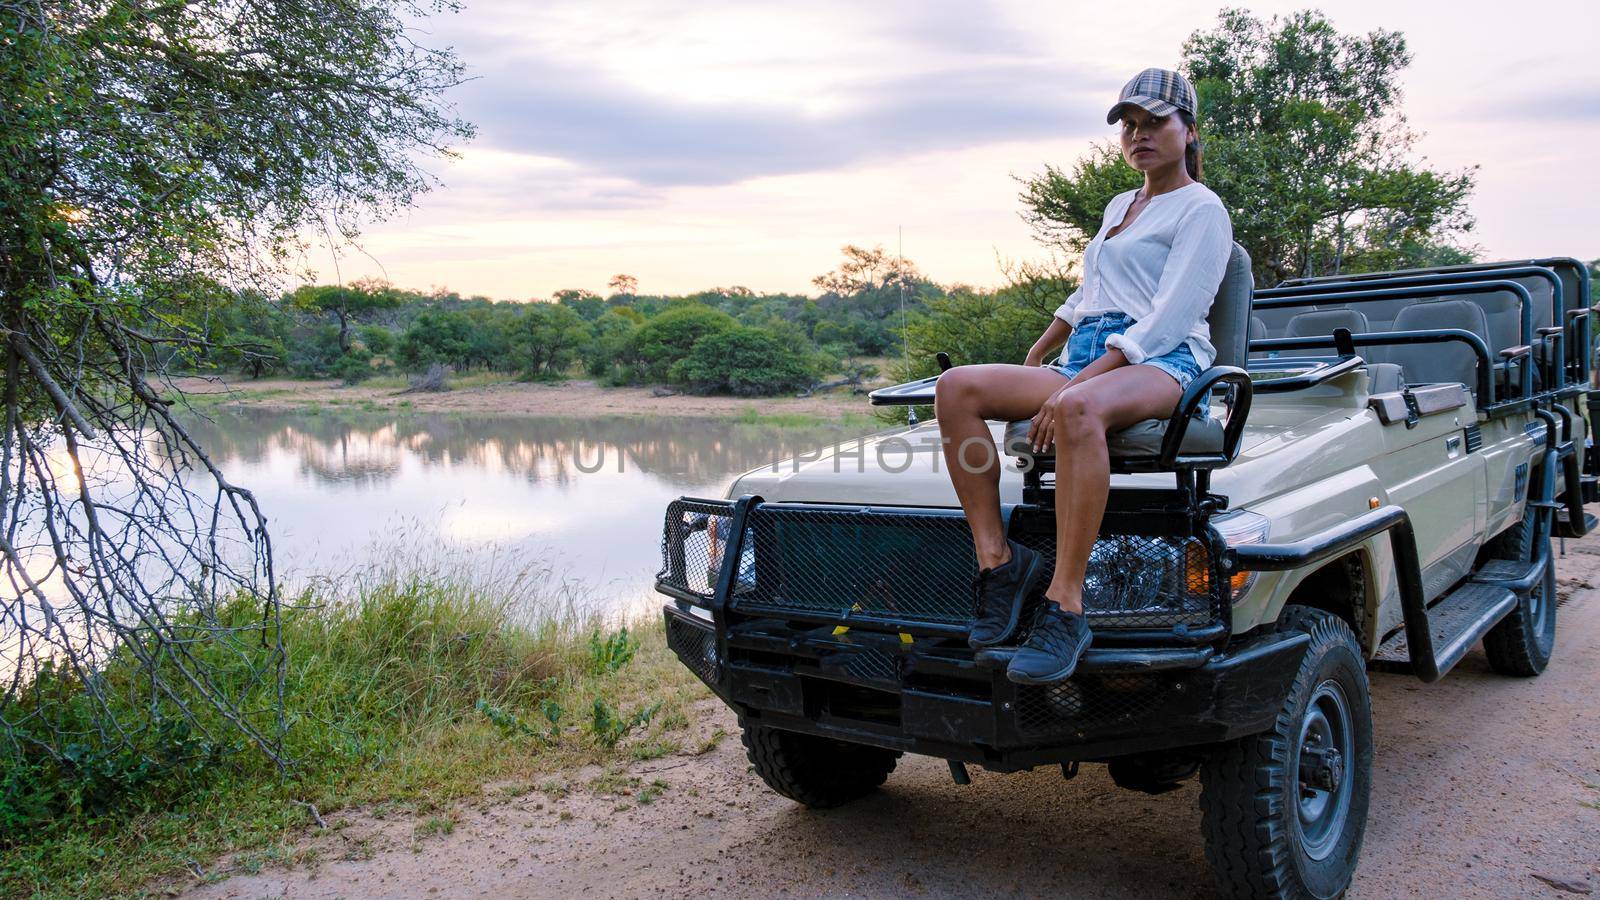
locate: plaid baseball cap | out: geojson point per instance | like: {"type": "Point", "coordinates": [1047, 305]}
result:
{"type": "Point", "coordinates": [1160, 92]}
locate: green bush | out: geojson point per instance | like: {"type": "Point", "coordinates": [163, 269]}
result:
{"type": "Point", "coordinates": [667, 339]}
{"type": "Point", "coordinates": [544, 341]}
{"type": "Point", "coordinates": [378, 339]}
{"type": "Point", "coordinates": [435, 337]}
{"type": "Point", "coordinates": [747, 362]}
{"type": "Point", "coordinates": [609, 340]}
{"type": "Point", "coordinates": [315, 354]}
{"type": "Point", "coordinates": [354, 367]}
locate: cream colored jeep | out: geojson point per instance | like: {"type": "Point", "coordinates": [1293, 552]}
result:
{"type": "Point", "coordinates": [1385, 463]}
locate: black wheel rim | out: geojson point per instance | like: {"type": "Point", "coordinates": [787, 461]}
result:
{"type": "Point", "coordinates": [1324, 758]}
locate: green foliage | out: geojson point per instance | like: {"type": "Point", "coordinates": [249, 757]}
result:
{"type": "Point", "coordinates": [354, 367]}
{"type": "Point", "coordinates": [1305, 143]}
{"type": "Point", "coordinates": [407, 688]}
{"type": "Point", "coordinates": [378, 340]}
{"type": "Point", "coordinates": [1066, 207]}
{"type": "Point", "coordinates": [586, 304]}
{"type": "Point", "coordinates": [346, 303]}
{"type": "Point", "coordinates": [609, 341]}
{"type": "Point", "coordinates": [745, 362]}
{"type": "Point", "coordinates": [973, 327]}
{"type": "Point", "coordinates": [545, 339]}
{"type": "Point", "coordinates": [662, 341]}
{"type": "Point", "coordinates": [512, 726]}
{"type": "Point", "coordinates": [316, 354]}
{"type": "Point", "coordinates": [611, 653]}
{"type": "Point", "coordinates": [444, 338]}
{"type": "Point", "coordinates": [609, 727]}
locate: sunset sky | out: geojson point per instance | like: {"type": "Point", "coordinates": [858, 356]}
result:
{"type": "Point", "coordinates": [693, 147]}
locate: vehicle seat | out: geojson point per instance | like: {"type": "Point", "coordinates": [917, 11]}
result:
{"type": "Point", "coordinates": [1258, 331]}
{"type": "Point", "coordinates": [1229, 322]}
{"type": "Point", "coordinates": [1321, 323]}
{"type": "Point", "coordinates": [1384, 377]}
{"type": "Point", "coordinates": [1446, 362]}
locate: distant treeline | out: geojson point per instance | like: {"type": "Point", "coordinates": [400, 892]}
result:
{"type": "Point", "coordinates": [724, 340]}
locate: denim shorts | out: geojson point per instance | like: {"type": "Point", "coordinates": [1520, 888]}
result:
{"type": "Point", "coordinates": [1088, 342]}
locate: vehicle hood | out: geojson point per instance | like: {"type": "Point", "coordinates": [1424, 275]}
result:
{"type": "Point", "coordinates": [1282, 446]}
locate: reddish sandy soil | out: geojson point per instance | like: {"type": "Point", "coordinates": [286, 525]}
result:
{"type": "Point", "coordinates": [1484, 786]}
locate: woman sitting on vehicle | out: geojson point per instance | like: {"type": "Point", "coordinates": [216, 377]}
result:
{"type": "Point", "coordinates": [1135, 334]}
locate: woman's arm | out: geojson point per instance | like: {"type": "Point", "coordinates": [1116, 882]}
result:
{"type": "Point", "coordinates": [1058, 331]}
{"type": "Point", "coordinates": [1054, 336]}
{"type": "Point", "coordinates": [1042, 433]}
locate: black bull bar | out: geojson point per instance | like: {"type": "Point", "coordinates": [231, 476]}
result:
{"type": "Point", "coordinates": [849, 622]}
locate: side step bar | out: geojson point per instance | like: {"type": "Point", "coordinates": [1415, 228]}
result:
{"type": "Point", "coordinates": [1455, 624]}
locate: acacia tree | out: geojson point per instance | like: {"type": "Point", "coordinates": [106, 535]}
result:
{"type": "Point", "coordinates": [1304, 141]}
{"type": "Point", "coordinates": [866, 270]}
{"type": "Point", "coordinates": [145, 144]}
{"type": "Point", "coordinates": [348, 304]}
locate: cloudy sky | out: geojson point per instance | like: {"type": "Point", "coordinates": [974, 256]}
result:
{"type": "Point", "coordinates": [694, 146]}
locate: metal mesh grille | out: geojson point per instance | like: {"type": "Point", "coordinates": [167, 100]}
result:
{"type": "Point", "coordinates": [691, 545]}
{"type": "Point", "coordinates": [873, 664]}
{"type": "Point", "coordinates": [914, 566]}
{"type": "Point", "coordinates": [906, 566]}
{"type": "Point", "coordinates": [1087, 701]}
{"type": "Point", "coordinates": [695, 645]}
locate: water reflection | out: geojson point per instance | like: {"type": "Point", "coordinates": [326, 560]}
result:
{"type": "Point", "coordinates": [589, 494]}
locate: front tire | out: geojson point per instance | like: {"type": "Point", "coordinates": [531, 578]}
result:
{"type": "Point", "coordinates": [1284, 811]}
{"type": "Point", "coordinates": [817, 772]}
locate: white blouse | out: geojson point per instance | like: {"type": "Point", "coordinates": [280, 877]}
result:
{"type": "Point", "coordinates": [1163, 270]}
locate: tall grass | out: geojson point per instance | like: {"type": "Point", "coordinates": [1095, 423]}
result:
{"type": "Point", "coordinates": [407, 685]}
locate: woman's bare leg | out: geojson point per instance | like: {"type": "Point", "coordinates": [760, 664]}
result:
{"type": "Point", "coordinates": [1110, 401]}
{"type": "Point", "coordinates": [964, 398]}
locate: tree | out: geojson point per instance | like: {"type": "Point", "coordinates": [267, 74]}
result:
{"type": "Point", "coordinates": [585, 303]}
{"type": "Point", "coordinates": [625, 285]}
{"type": "Point", "coordinates": [545, 339]}
{"type": "Point", "coordinates": [667, 338]}
{"type": "Point", "coordinates": [609, 340]}
{"type": "Point", "coordinates": [1305, 143]}
{"type": "Point", "coordinates": [867, 270]}
{"type": "Point", "coordinates": [443, 338]}
{"type": "Point", "coordinates": [744, 361]}
{"type": "Point", "coordinates": [144, 144]}
{"type": "Point", "coordinates": [347, 303]}
{"type": "Point", "coordinates": [973, 327]}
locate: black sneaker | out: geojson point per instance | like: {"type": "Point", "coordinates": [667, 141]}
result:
{"type": "Point", "coordinates": [1001, 594]}
{"type": "Point", "coordinates": [1053, 648]}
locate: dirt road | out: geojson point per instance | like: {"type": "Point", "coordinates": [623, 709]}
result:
{"type": "Point", "coordinates": [1484, 786]}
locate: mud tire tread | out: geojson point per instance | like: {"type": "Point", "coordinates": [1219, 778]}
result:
{"type": "Point", "coordinates": [1244, 816]}
{"type": "Point", "coordinates": [817, 772]}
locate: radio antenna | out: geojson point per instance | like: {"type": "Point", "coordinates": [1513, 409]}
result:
{"type": "Point", "coordinates": [905, 335]}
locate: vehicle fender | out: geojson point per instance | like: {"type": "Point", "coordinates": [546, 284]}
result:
{"type": "Point", "coordinates": [1302, 513]}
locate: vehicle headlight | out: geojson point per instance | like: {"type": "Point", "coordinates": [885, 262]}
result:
{"type": "Point", "coordinates": [1242, 527]}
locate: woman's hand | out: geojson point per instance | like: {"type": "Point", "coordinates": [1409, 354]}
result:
{"type": "Point", "coordinates": [1042, 432]}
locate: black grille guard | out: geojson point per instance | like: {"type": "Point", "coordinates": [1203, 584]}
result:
{"type": "Point", "coordinates": [1154, 575]}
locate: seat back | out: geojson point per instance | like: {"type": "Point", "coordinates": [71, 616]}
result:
{"type": "Point", "coordinates": [1230, 311]}
{"type": "Point", "coordinates": [1447, 362]}
{"type": "Point", "coordinates": [1321, 323]}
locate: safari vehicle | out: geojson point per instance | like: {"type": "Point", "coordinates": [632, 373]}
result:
{"type": "Point", "coordinates": [1386, 463]}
